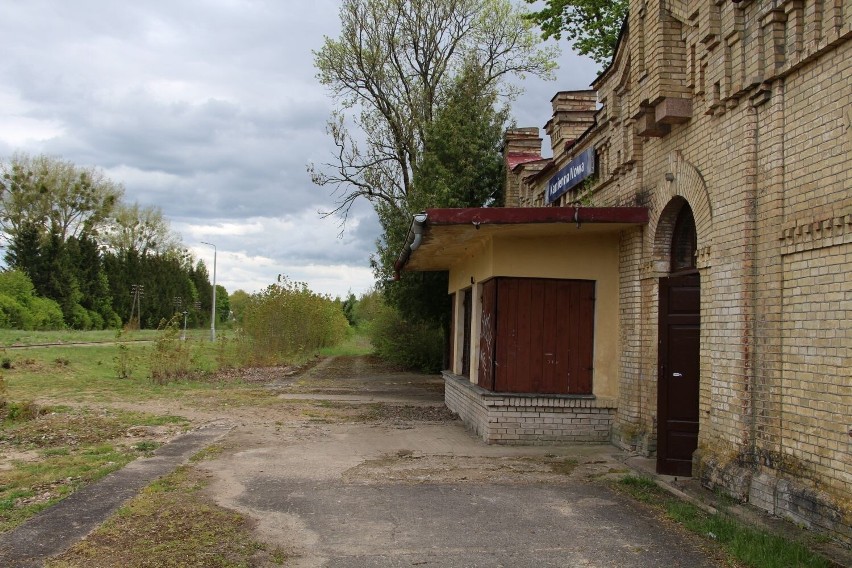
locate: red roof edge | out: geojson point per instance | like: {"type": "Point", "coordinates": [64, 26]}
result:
{"type": "Point", "coordinates": [517, 215]}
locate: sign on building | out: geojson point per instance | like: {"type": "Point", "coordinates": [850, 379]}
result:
{"type": "Point", "coordinates": [576, 171]}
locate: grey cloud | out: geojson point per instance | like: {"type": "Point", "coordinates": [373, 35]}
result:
{"type": "Point", "coordinates": [209, 110]}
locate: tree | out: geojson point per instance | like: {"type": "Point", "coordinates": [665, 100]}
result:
{"type": "Point", "coordinates": [143, 229]}
{"type": "Point", "coordinates": [462, 166]}
{"type": "Point", "coordinates": [388, 69]}
{"type": "Point", "coordinates": [54, 194]}
{"type": "Point", "coordinates": [223, 304]}
{"type": "Point", "coordinates": [239, 301]}
{"type": "Point", "coordinates": [591, 26]}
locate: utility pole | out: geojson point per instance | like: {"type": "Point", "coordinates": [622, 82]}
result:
{"type": "Point", "coordinates": [213, 309]}
{"type": "Point", "coordinates": [137, 291]}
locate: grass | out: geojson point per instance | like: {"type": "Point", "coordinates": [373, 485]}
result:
{"type": "Point", "coordinates": [355, 344]}
{"type": "Point", "coordinates": [171, 524]}
{"type": "Point", "coordinates": [91, 373]}
{"type": "Point", "coordinates": [749, 546]}
{"type": "Point", "coordinates": [62, 451]}
{"type": "Point", "coordinates": [16, 337]}
{"type": "Point", "coordinates": [51, 455]}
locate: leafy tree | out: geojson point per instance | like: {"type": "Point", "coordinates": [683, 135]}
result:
{"type": "Point", "coordinates": [223, 304]}
{"type": "Point", "coordinates": [143, 229]}
{"type": "Point", "coordinates": [389, 67]}
{"type": "Point", "coordinates": [54, 194]}
{"type": "Point", "coordinates": [348, 307]}
{"type": "Point", "coordinates": [591, 26]}
{"type": "Point", "coordinates": [239, 301]}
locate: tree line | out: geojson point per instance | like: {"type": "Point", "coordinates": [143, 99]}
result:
{"type": "Point", "coordinates": [78, 255]}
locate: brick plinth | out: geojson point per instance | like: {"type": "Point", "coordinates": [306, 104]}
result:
{"type": "Point", "coordinates": [509, 418]}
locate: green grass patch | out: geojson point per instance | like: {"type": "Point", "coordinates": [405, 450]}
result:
{"type": "Point", "coordinates": [750, 546]}
{"type": "Point", "coordinates": [16, 337]}
{"type": "Point", "coordinates": [355, 343]}
{"type": "Point", "coordinates": [91, 373]}
{"type": "Point", "coordinates": [62, 451]}
{"type": "Point", "coordinates": [171, 524]}
{"type": "Point", "coordinates": [28, 487]}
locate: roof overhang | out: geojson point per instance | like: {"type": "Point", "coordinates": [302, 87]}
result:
{"type": "Point", "coordinates": [439, 238]}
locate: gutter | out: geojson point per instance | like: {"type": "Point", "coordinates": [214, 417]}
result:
{"type": "Point", "coordinates": [412, 243]}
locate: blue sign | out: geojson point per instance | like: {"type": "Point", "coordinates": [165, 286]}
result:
{"type": "Point", "coordinates": [576, 171]}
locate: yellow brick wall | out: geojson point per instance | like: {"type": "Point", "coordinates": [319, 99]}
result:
{"type": "Point", "coordinates": [816, 387]}
{"type": "Point", "coordinates": [765, 163]}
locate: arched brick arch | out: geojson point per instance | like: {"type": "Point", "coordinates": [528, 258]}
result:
{"type": "Point", "coordinates": [682, 183]}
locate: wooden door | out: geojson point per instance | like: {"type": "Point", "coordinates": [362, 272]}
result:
{"type": "Point", "coordinates": [678, 382]}
{"type": "Point", "coordinates": [544, 336]}
{"type": "Point", "coordinates": [487, 335]}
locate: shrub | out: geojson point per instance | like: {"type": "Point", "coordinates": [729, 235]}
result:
{"type": "Point", "coordinates": [417, 346]}
{"type": "Point", "coordinates": [13, 315]}
{"type": "Point", "coordinates": [20, 308]}
{"type": "Point", "coordinates": [172, 357]}
{"type": "Point", "coordinates": [288, 321]}
{"type": "Point", "coordinates": [46, 314]}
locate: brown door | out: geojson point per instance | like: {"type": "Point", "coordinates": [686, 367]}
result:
{"type": "Point", "coordinates": [677, 395]}
{"type": "Point", "coordinates": [487, 334]}
{"type": "Point", "coordinates": [544, 336]}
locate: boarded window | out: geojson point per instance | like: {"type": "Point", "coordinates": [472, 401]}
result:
{"type": "Point", "coordinates": [543, 335]}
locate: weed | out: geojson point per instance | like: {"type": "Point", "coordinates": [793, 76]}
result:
{"type": "Point", "coordinates": [21, 411]}
{"type": "Point", "coordinates": [56, 452]}
{"type": "Point", "coordinates": [6, 363]}
{"type": "Point", "coordinates": [75, 448]}
{"type": "Point", "coordinates": [172, 359]}
{"type": "Point", "coordinates": [123, 362]}
{"type": "Point", "coordinates": [146, 446]}
{"type": "Point", "coordinates": [752, 547]}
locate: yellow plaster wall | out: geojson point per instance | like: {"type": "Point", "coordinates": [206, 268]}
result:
{"type": "Point", "coordinates": [577, 257]}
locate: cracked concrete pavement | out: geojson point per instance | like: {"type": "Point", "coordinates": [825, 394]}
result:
{"type": "Point", "coordinates": [427, 492]}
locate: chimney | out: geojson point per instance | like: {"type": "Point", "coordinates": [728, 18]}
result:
{"type": "Point", "coordinates": [520, 145]}
{"type": "Point", "coordinates": [573, 114]}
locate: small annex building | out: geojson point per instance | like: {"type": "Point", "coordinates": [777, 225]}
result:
{"type": "Point", "coordinates": [676, 278]}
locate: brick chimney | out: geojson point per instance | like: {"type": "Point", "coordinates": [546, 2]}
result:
{"type": "Point", "coordinates": [573, 114]}
{"type": "Point", "coordinates": [520, 145]}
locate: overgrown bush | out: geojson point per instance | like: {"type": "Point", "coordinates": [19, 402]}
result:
{"type": "Point", "coordinates": [417, 346]}
{"type": "Point", "coordinates": [287, 321]}
{"type": "Point", "coordinates": [20, 308]}
{"type": "Point", "coordinates": [172, 358]}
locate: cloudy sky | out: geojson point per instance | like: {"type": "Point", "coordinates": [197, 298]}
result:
{"type": "Point", "coordinates": [210, 110]}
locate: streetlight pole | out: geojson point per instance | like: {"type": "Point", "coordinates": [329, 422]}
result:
{"type": "Point", "coordinates": [213, 310]}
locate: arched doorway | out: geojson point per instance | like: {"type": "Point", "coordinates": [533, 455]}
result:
{"type": "Point", "coordinates": [679, 351]}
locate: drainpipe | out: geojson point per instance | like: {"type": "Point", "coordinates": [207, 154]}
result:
{"type": "Point", "coordinates": [415, 237]}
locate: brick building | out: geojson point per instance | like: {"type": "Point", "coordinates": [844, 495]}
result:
{"type": "Point", "coordinates": [676, 279]}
